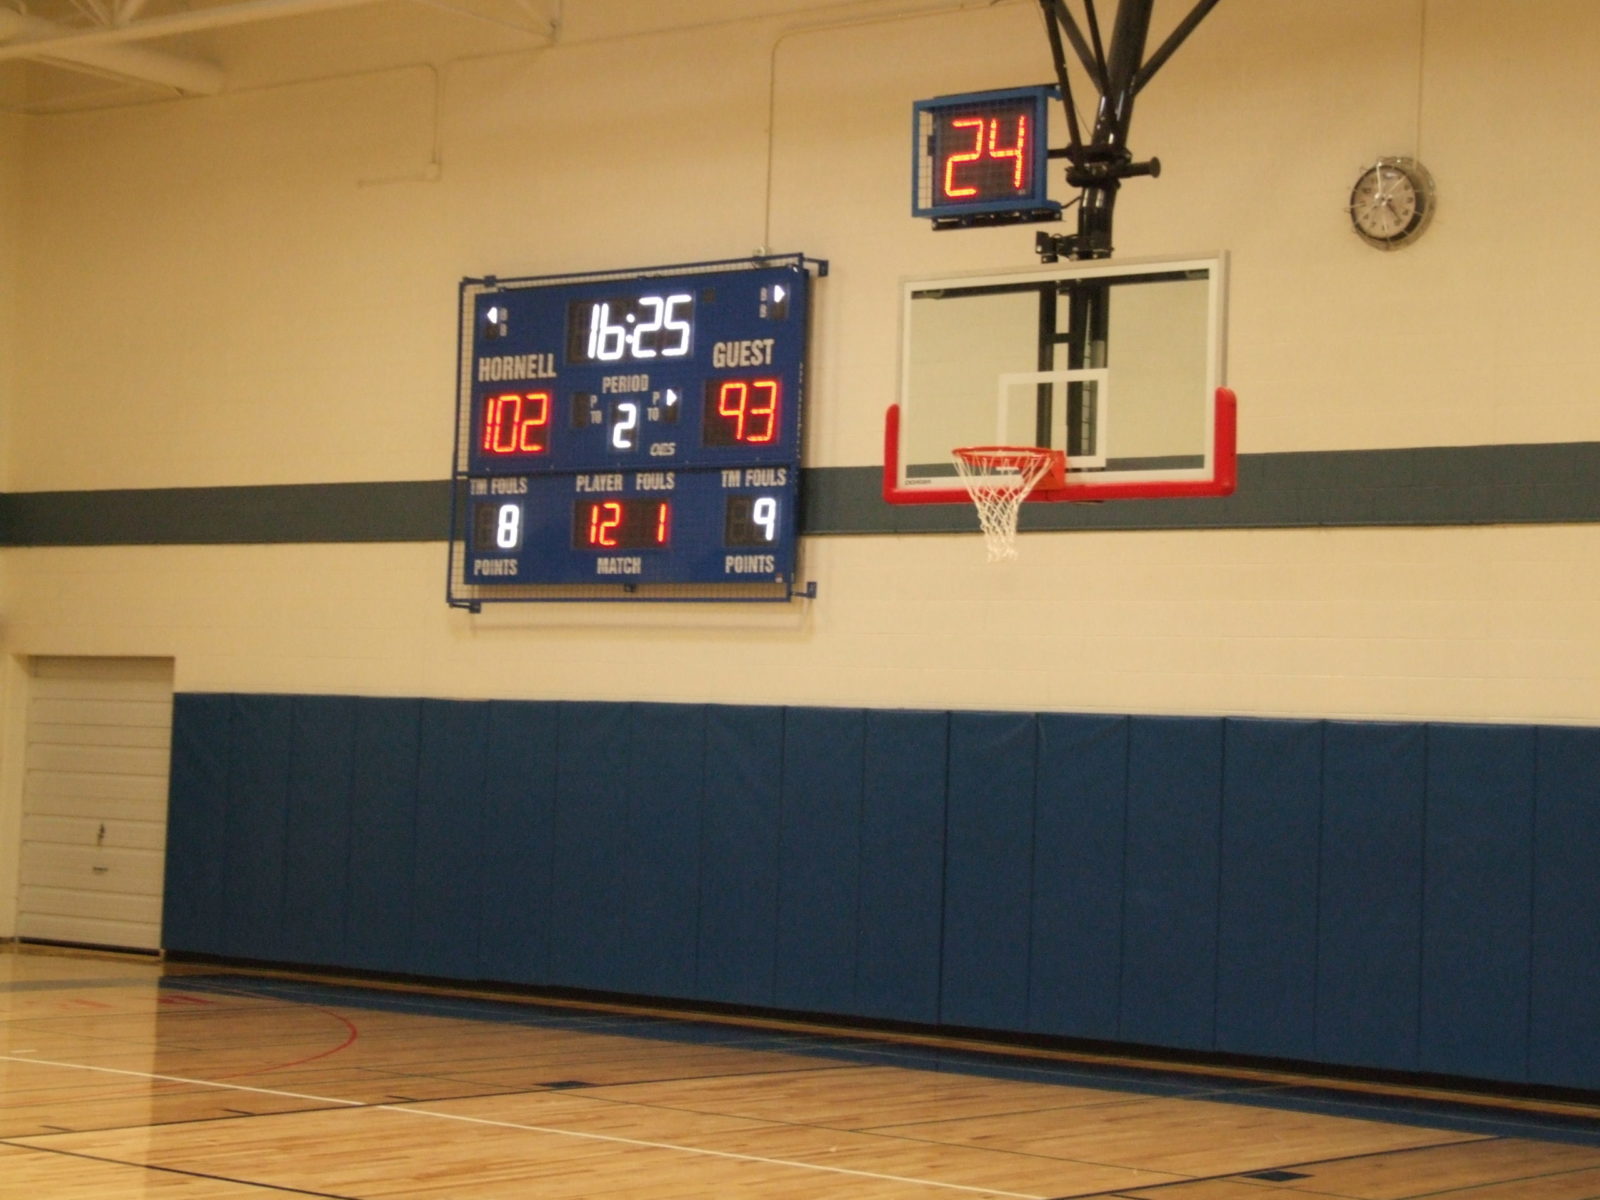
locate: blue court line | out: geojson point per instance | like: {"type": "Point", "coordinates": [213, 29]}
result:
{"type": "Point", "coordinates": [1486, 1118]}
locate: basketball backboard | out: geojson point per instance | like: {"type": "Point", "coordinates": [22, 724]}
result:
{"type": "Point", "coordinates": [1119, 364]}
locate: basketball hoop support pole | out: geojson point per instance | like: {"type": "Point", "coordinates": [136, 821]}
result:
{"type": "Point", "coordinates": [1119, 72]}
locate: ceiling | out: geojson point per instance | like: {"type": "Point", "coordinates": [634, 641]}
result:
{"type": "Point", "coordinates": [71, 55]}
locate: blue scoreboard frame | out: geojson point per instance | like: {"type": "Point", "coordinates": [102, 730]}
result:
{"type": "Point", "coordinates": [631, 435]}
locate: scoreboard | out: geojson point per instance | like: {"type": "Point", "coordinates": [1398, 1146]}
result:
{"type": "Point", "coordinates": [631, 435]}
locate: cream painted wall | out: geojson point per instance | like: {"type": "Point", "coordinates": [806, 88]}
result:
{"type": "Point", "coordinates": [11, 183]}
{"type": "Point", "coordinates": [234, 291]}
{"type": "Point", "coordinates": [11, 678]}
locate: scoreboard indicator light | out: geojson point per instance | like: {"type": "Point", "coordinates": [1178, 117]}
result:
{"type": "Point", "coordinates": [981, 158]}
{"type": "Point", "coordinates": [631, 435]}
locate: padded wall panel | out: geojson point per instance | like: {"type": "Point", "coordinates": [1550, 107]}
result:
{"type": "Point", "coordinates": [589, 889]}
{"type": "Point", "coordinates": [450, 834]}
{"type": "Point", "coordinates": [988, 870]}
{"type": "Point", "coordinates": [661, 888]}
{"type": "Point", "coordinates": [739, 854]}
{"type": "Point", "coordinates": [1169, 943]}
{"type": "Point", "coordinates": [1267, 932]}
{"type": "Point", "coordinates": [197, 811]}
{"type": "Point", "coordinates": [902, 865]}
{"type": "Point", "coordinates": [317, 833]}
{"type": "Point", "coordinates": [1564, 1030]}
{"type": "Point", "coordinates": [1477, 907]}
{"type": "Point", "coordinates": [819, 858]}
{"type": "Point", "coordinates": [1369, 908]}
{"type": "Point", "coordinates": [257, 820]}
{"type": "Point", "coordinates": [1153, 880]}
{"type": "Point", "coordinates": [383, 804]}
{"type": "Point", "coordinates": [1080, 826]}
{"type": "Point", "coordinates": [519, 789]}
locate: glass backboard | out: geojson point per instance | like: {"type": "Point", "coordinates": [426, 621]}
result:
{"type": "Point", "coordinates": [1117, 364]}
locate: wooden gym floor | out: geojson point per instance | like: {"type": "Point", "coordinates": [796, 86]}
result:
{"type": "Point", "coordinates": [119, 1078]}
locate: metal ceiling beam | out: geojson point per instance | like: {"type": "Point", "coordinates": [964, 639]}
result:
{"type": "Point", "coordinates": [23, 36]}
{"type": "Point", "coordinates": [108, 49]}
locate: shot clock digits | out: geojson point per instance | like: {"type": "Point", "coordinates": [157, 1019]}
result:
{"type": "Point", "coordinates": [981, 157]}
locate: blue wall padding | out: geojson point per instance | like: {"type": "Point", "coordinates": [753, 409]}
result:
{"type": "Point", "coordinates": [383, 811]}
{"type": "Point", "coordinates": [589, 882]}
{"type": "Point", "coordinates": [1564, 1030]}
{"type": "Point", "coordinates": [660, 886]}
{"type": "Point", "coordinates": [447, 872]}
{"type": "Point", "coordinates": [1477, 917]}
{"type": "Point", "coordinates": [1079, 840]}
{"type": "Point", "coordinates": [1369, 894]}
{"type": "Point", "coordinates": [1267, 904]}
{"type": "Point", "coordinates": [317, 832]}
{"type": "Point", "coordinates": [197, 830]}
{"type": "Point", "coordinates": [819, 859]}
{"type": "Point", "coordinates": [257, 825]}
{"type": "Point", "coordinates": [901, 893]}
{"type": "Point", "coordinates": [1392, 896]}
{"type": "Point", "coordinates": [519, 791]}
{"type": "Point", "coordinates": [739, 855]}
{"type": "Point", "coordinates": [1169, 944]}
{"type": "Point", "coordinates": [988, 889]}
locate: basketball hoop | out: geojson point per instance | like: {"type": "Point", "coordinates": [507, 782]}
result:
{"type": "Point", "coordinates": [999, 478]}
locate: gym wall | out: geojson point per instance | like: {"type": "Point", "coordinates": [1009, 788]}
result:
{"type": "Point", "coordinates": [233, 356]}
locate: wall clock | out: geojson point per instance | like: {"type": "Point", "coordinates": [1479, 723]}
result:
{"type": "Point", "coordinates": [1392, 203]}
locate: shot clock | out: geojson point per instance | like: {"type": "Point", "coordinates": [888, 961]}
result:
{"type": "Point", "coordinates": [980, 158]}
{"type": "Point", "coordinates": [631, 435]}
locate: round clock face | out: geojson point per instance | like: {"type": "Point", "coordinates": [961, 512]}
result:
{"type": "Point", "coordinates": [1392, 203]}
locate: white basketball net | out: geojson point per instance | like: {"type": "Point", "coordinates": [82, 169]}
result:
{"type": "Point", "coordinates": [999, 478]}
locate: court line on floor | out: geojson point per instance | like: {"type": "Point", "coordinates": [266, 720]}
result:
{"type": "Point", "coordinates": [571, 1133]}
{"type": "Point", "coordinates": [179, 1171]}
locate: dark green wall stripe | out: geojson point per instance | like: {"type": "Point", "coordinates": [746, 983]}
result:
{"type": "Point", "coordinates": [1446, 485]}
{"type": "Point", "coordinates": [313, 512]}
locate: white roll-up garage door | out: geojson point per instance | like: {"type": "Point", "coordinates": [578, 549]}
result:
{"type": "Point", "coordinates": [95, 801]}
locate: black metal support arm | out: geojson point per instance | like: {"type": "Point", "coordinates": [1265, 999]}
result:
{"type": "Point", "coordinates": [1119, 70]}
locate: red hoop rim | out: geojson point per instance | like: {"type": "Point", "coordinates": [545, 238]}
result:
{"type": "Point", "coordinates": [991, 456]}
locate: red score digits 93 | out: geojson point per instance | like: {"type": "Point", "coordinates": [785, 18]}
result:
{"type": "Point", "coordinates": [742, 412]}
